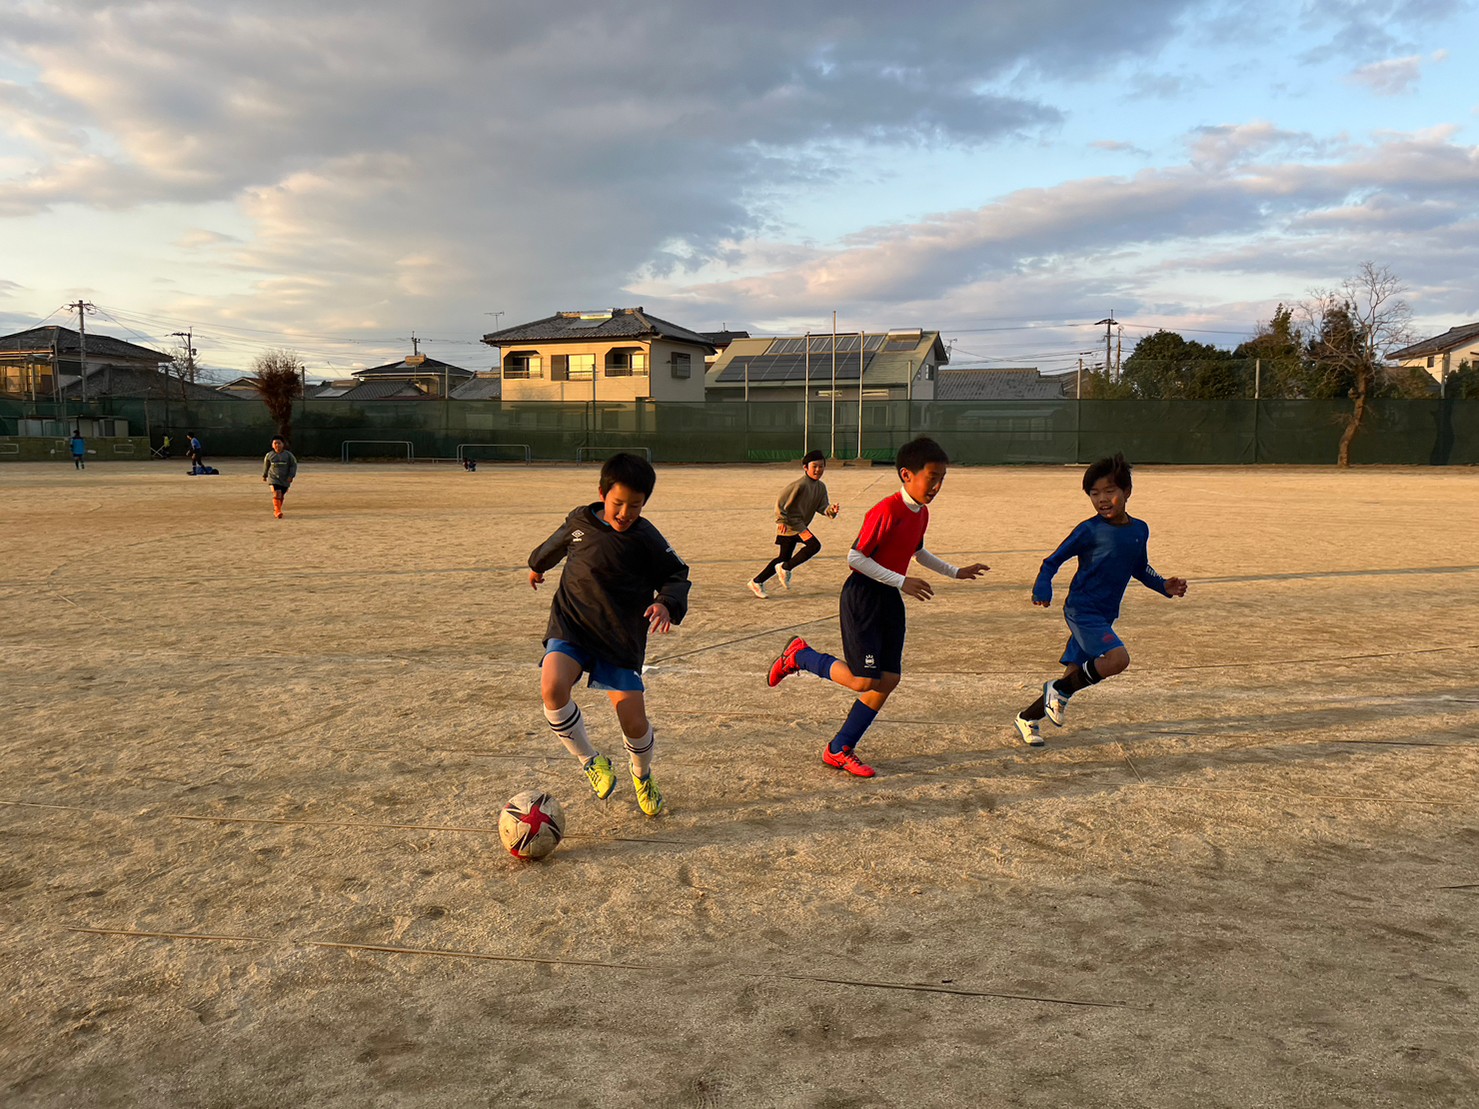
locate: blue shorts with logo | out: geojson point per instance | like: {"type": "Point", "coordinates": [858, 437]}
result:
{"type": "Point", "coordinates": [872, 619]}
{"type": "Point", "coordinates": [600, 673]}
{"type": "Point", "coordinates": [1089, 638]}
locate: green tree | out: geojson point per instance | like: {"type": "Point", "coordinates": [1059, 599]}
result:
{"type": "Point", "coordinates": [1166, 366]}
{"type": "Point", "coordinates": [1278, 349]}
{"type": "Point", "coordinates": [1353, 329]}
{"type": "Point", "coordinates": [278, 378]}
{"type": "Point", "coordinates": [1463, 383]}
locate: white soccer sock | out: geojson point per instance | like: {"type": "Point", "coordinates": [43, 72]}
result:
{"type": "Point", "coordinates": [640, 751]}
{"type": "Point", "coordinates": [569, 726]}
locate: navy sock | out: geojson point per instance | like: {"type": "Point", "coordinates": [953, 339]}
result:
{"type": "Point", "coordinates": [814, 662]}
{"type": "Point", "coordinates": [852, 728]}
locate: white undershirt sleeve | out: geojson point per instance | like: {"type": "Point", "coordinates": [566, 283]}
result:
{"type": "Point", "coordinates": [865, 565]}
{"type": "Point", "coordinates": [934, 562]}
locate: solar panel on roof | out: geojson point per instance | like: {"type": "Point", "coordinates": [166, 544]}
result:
{"type": "Point", "coordinates": [789, 368]}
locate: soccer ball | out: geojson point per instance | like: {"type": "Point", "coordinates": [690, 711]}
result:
{"type": "Point", "coordinates": [531, 825]}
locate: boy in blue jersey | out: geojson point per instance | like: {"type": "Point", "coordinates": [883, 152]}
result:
{"type": "Point", "coordinates": [1111, 549]}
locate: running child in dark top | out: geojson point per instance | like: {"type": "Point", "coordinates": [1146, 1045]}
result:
{"type": "Point", "coordinates": [794, 509]}
{"type": "Point", "coordinates": [1111, 549]}
{"type": "Point", "coordinates": [872, 605]}
{"type": "Point", "coordinates": [621, 580]}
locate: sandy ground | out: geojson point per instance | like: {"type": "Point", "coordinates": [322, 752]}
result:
{"type": "Point", "coordinates": [250, 774]}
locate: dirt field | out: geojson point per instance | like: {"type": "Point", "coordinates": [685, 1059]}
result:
{"type": "Point", "coordinates": [250, 772]}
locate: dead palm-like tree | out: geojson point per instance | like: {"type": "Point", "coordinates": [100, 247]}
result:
{"type": "Point", "coordinates": [278, 378]}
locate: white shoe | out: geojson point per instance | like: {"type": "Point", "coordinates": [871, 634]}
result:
{"type": "Point", "coordinates": [757, 589]}
{"type": "Point", "coordinates": [1027, 730]}
{"type": "Point", "coordinates": [784, 577]}
{"type": "Point", "coordinates": [1054, 702]}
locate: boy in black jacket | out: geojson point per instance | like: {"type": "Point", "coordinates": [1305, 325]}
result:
{"type": "Point", "coordinates": [622, 580]}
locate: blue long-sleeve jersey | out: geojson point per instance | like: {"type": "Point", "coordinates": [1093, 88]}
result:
{"type": "Point", "coordinates": [1109, 555]}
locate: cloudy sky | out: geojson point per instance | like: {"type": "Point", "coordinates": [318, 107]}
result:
{"type": "Point", "coordinates": [337, 177]}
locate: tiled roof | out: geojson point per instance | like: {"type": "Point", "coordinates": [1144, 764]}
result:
{"type": "Point", "coordinates": [404, 369]}
{"type": "Point", "coordinates": [135, 381]}
{"type": "Point", "coordinates": [68, 343]}
{"type": "Point", "coordinates": [1451, 339]}
{"type": "Point", "coordinates": [479, 388]}
{"type": "Point", "coordinates": [583, 327]}
{"type": "Point", "coordinates": [722, 339]}
{"type": "Point", "coordinates": [997, 384]}
{"type": "Point", "coordinates": [386, 388]}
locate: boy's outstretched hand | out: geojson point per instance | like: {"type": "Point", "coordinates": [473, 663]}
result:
{"type": "Point", "coordinates": [974, 570]}
{"type": "Point", "coordinates": [536, 579]}
{"type": "Point", "coordinates": [1176, 587]}
{"type": "Point", "coordinates": [918, 588]}
{"type": "Point", "coordinates": [658, 619]}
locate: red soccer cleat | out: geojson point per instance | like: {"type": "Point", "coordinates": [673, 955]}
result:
{"type": "Point", "coordinates": [785, 662]}
{"type": "Point", "coordinates": [845, 760]}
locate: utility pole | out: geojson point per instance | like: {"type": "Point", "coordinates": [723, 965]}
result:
{"type": "Point", "coordinates": [833, 452]}
{"type": "Point", "coordinates": [1109, 324]}
{"type": "Point", "coordinates": [83, 308]}
{"type": "Point", "coordinates": [189, 337]}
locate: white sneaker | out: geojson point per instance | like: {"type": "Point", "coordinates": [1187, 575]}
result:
{"type": "Point", "coordinates": [757, 589]}
{"type": "Point", "coordinates": [1027, 730]}
{"type": "Point", "coordinates": [1054, 702]}
{"type": "Point", "coordinates": [784, 577]}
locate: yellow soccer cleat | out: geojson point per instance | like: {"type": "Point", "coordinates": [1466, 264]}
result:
{"type": "Point", "coordinates": [649, 797]}
{"type": "Point", "coordinates": [600, 775]}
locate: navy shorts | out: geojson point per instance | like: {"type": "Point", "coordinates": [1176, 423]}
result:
{"type": "Point", "coordinates": [601, 674]}
{"type": "Point", "coordinates": [872, 616]}
{"type": "Point", "coordinates": [1089, 637]}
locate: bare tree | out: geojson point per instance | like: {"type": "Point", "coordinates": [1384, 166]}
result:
{"type": "Point", "coordinates": [278, 378]}
{"type": "Point", "coordinates": [1352, 329]}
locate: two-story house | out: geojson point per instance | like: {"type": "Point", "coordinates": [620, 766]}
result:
{"type": "Point", "coordinates": [613, 354]}
{"type": "Point", "coordinates": [1443, 355]}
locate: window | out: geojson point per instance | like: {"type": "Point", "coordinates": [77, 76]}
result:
{"type": "Point", "coordinates": [522, 364]}
{"type": "Point", "coordinates": [682, 365]}
{"type": "Point", "coordinates": [626, 362]}
{"type": "Point", "coordinates": [582, 367]}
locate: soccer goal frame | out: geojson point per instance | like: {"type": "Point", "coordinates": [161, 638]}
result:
{"type": "Point", "coordinates": [582, 454]}
{"type": "Point", "coordinates": [525, 447]}
{"type": "Point", "coordinates": [347, 443]}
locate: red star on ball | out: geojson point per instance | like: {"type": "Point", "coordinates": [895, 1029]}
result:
{"type": "Point", "coordinates": [536, 818]}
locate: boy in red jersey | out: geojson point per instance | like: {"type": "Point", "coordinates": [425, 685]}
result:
{"type": "Point", "coordinates": [872, 610]}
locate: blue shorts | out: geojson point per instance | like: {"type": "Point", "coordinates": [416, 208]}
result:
{"type": "Point", "coordinates": [872, 619]}
{"type": "Point", "coordinates": [601, 674]}
{"type": "Point", "coordinates": [1088, 639]}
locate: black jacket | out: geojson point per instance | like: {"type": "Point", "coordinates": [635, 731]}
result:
{"type": "Point", "coordinates": [610, 579]}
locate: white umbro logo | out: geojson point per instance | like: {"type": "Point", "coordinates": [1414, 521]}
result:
{"type": "Point", "coordinates": [577, 535]}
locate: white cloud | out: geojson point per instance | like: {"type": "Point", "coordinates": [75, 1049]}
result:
{"type": "Point", "coordinates": [366, 172]}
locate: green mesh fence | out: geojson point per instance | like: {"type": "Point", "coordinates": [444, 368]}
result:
{"type": "Point", "coordinates": [1228, 432]}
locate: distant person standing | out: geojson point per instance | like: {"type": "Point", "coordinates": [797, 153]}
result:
{"type": "Point", "coordinates": [79, 451]}
{"type": "Point", "coordinates": [164, 448]}
{"type": "Point", "coordinates": [279, 468]}
{"type": "Point", "coordinates": [195, 454]}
